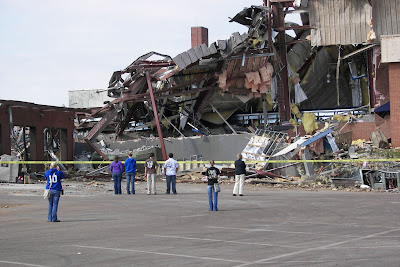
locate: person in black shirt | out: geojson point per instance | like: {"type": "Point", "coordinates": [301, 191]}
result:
{"type": "Point", "coordinates": [212, 175]}
{"type": "Point", "coordinates": [240, 172]}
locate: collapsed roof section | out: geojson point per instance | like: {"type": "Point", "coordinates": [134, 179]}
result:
{"type": "Point", "coordinates": [249, 71]}
{"type": "Point", "coordinates": [183, 87]}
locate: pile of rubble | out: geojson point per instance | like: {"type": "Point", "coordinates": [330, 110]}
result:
{"type": "Point", "coordinates": [329, 156]}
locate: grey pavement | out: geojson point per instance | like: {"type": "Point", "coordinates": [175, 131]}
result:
{"type": "Point", "coordinates": [266, 227]}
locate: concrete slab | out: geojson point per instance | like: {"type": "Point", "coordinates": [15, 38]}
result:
{"type": "Point", "coordinates": [265, 227]}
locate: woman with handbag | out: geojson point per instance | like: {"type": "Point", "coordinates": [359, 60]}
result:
{"type": "Point", "coordinates": [212, 186]}
{"type": "Point", "coordinates": [53, 190]}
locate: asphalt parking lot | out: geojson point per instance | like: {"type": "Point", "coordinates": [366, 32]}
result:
{"type": "Point", "coordinates": [266, 227]}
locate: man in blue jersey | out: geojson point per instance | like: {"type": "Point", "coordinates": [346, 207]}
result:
{"type": "Point", "coordinates": [130, 171]}
{"type": "Point", "coordinates": [54, 177]}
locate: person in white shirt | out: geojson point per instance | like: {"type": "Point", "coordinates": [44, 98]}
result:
{"type": "Point", "coordinates": [170, 168]}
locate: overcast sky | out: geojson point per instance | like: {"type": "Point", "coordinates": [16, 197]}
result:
{"type": "Point", "coordinates": [49, 47]}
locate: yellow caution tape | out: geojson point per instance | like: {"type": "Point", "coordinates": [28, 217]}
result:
{"type": "Point", "coordinates": [206, 161]}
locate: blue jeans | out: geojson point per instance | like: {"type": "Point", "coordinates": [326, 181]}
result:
{"type": "Point", "coordinates": [171, 179]}
{"type": "Point", "coordinates": [213, 206]}
{"type": "Point", "coordinates": [53, 204]}
{"type": "Point", "coordinates": [130, 179]}
{"type": "Point", "coordinates": [117, 176]}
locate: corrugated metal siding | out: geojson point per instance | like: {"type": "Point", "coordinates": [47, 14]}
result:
{"type": "Point", "coordinates": [386, 14]}
{"type": "Point", "coordinates": [339, 21]}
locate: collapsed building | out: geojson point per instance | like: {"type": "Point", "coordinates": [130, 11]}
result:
{"type": "Point", "coordinates": [327, 65]}
{"type": "Point", "coordinates": [264, 89]}
{"type": "Point", "coordinates": [34, 132]}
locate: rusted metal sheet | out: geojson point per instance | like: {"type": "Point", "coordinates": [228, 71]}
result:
{"type": "Point", "coordinates": [342, 22]}
{"type": "Point", "coordinates": [386, 14]}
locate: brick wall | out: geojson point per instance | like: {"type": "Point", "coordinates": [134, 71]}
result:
{"type": "Point", "coordinates": [382, 81]}
{"type": "Point", "coordinates": [383, 124]}
{"type": "Point", "coordinates": [361, 130]}
{"type": "Point", "coordinates": [394, 89]}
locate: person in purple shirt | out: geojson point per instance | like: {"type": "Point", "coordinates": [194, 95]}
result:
{"type": "Point", "coordinates": [117, 169]}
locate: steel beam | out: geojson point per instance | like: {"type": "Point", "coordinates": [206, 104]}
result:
{"type": "Point", "coordinates": [265, 111]}
{"type": "Point", "coordinates": [173, 126]}
{"type": "Point", "coordinates": [358, 51]}
{"type": "Point", "coordinates": [372, 97]}
{"type": "Point", "coordinates": [139, 96]}
{"type": "Point", "coordinates": [296, 42]}
{"type": "Point", "coordinates": [201, 103]}
{"type": "Point", "coordinates": [269, 25]}
{"type": "Point", "coordinates": [291, 44]}
{"type": "Point", "coordinates": [222, 117]}
{"type": "Point", "coordinates": [123, 124]}
{"type": "Point", "coordinates": [283, 84]}
{"type": "Point", "coordinates": [309, 60]}
{"type": "Point", "coordinates": [102, 124]}
{"type": "Point", "coordinates": [134, 76]}
{"type": "Point", "coordinates": [98, 128]}
{"type": "Point", "coordinates": [181, 93]}
{"type": "Point", "coordinates": [92, 145]}
{"type": "Point", "coordinates": [300, 27]}
{"type": "Point", "coordinates": [153, 103]}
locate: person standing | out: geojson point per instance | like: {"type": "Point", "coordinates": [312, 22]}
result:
{"type": "Point", "coordinates": [240, 172]}
{"type": "Point", "coordinates": [117, 169]}
{"type": "Point", "coordinates": [130, 172]}
{"type": "Point", "coordinates": [54, 177]}
{"type": "Point", "coordinates": [150, 168]}
{"type": "Point", "coordinates": [212, 175]}
{"type": "Point", "coordinates": [170, 168]}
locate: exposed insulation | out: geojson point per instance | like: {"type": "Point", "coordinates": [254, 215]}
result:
{"type": "Point", "coordinates": [269, 99]}
{"type": "Point", "coordinates": [309, 122]}
{"type": "Point", "coordinates": [295, 111]}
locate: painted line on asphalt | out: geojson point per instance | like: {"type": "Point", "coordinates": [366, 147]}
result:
{"type": "Point", "coordinates": [278, 231]}
{"type": "Point", "coordinates": [224, 241]}
{"type": "Point", "coordinates": [321, 261]}
{"type": "Point", "coordinates": [161, 253]}
{"type": "Point", "coordinates": [23, 263]}
{"type": "Point", "coordinates": [336, 224]}
{"type": "Point", "coordinates": [194, 215]}
{"type": "Point", "coordinates": [375, 247]}
{"type": "Point", "coordinates": [316, 248]}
